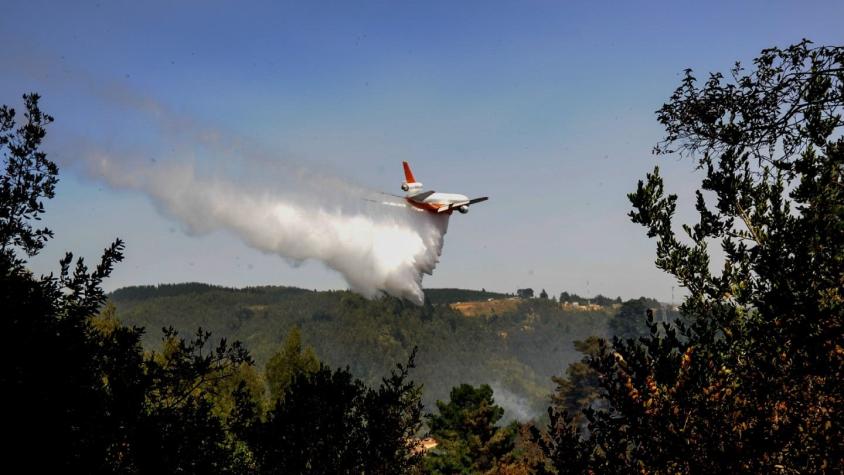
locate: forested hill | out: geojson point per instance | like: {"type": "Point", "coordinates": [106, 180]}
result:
{"type": "Point", "coordinates": [516, 351]}
{"type": "Point", "coordinates": [447, 296]}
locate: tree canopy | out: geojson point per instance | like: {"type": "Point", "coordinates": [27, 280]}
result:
{"type": "Point", "coordinates": [754, 382]}
{"type": "Point", "coordinates": [465, 428]}
{"type": "Point", "coordinates": [290, 360]}
{"type": "Point", "coordinates": [630, 321]}
{"type": "Point", "coordinates": [329, 422]}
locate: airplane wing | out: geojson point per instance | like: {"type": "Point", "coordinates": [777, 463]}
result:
{"type": "Point", "coordinates": [458, 204]}
{"type": "Point", "coordinates": [422, 196]}
{"type": "Point", "coordinates": [452, 206]}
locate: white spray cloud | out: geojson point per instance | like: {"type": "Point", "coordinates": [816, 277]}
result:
{"type": "Point", "coordinates": [272, 204]}
{"type": "Point", "coordinates": [376, 247]}
{"type": "Point", "coordinates": [282, 208]}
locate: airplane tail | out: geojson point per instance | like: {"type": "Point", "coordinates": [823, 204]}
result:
{"type": "Point", "coordinates": [410, 185]}
{"type": "Point", "coordinates": [408, 175]}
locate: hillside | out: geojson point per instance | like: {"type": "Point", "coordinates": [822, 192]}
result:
{"type": "Point", "coordinates": [448, 296]}
{"type": "Point", "coordinates": [486, 308]}
{"type": "Point", "coordinates": [516, 349]}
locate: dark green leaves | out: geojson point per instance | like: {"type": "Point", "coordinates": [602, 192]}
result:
{"type": "Point", "coordinates": [753, 382]}
{"type": "Point", "coordinates": [29, 177]}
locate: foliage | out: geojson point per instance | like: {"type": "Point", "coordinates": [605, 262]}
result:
{"type": "Point", "coordinates": [754, 382]}
{"type": "Point", "coordinates": [171, 425]}
{"type": "Point", "coordinates": [447, 296]}
{"type": "Point", "coordinates": [465, 429]}
{"type": "Point", "coordinates": [328, 422]}
{"type": "Point", "coordinates": [792, 100]}
{"type": "Point", "coordinates": [51, 364]}
{"type": "Point", "coordinates": [630, 321]}
{"type": "Point", "coordinates": [580, 388]}
{"type": "Point", "coordinates": [597, 300]}
{"type": "Point", "coordinates": [79, 385]}
{"type": "Point", "coordinates": [291, 359]}
{"type": "Point", "coordinates": [565, 452]}
{"type": "Point", "coordinates": [525, 293]}
{"type": "Point", "coordinates": [28, 178]}
{"type": "Point", "coordinates": [518, 350]}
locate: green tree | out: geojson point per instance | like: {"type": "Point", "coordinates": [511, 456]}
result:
{"type": "Point", "coordinates": [81, 395]}
{"type": "Point", "coordinates": [51, 365]}
{"type": "Point", "coordinates": [466, 431]}
{"type": "Point", "coordinates": [754, 383]}
{"type": "Point", "coordinates": [631, 319]}
{"type": "Point", "coordinates": [580, 387]}
{"type": "Point", "coordinates": [525, 293]}
{"type": "Point", "coordinates": [329, 422]}
{"type": "Point", "coordinates": [175, 426]}
{"type": "Point", "coordinates": [290, 360]}
{"type": "Point", "coordinates": [564, 450]}
{"type": "Point", "coordinates": [106, 321]}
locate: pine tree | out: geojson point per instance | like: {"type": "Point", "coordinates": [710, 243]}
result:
{"type": "Point", "coordinates": [466, 431]}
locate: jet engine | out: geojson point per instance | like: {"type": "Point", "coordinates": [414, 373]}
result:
{"type": "Point", "coordinates": [413, 186]}
{"type": "Point", "coordinates": [463, 209]}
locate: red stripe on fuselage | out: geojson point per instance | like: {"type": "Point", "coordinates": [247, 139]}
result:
{"type": "Point", "coordinates": [430, 207]}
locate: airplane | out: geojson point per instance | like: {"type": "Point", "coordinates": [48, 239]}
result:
{"type": "Point", "coordinates": [432, 201]}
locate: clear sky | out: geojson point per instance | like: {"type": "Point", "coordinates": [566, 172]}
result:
{"type": "Point", "coordinates": [545, 106]}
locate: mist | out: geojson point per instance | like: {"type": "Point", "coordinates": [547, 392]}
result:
{"type": "Point", "coordinates": [515, 407]}
{"type": "Point", "coordinates": [211, 179]}
{"type": "Point", "coordinates": [379, 245]}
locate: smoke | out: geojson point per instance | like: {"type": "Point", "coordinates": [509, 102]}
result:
{"type": "Point", "coordinates": [377, 248]}
{"type": "Point", "coordinates": [516, 407]}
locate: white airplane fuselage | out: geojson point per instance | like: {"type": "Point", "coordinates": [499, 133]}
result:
{"type": "Point", "coordinates": [433, 201]}
{"type": "Point", "coordinates": [437, 201]}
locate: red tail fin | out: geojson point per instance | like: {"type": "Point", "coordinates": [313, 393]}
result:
{"type": "Point", "coordinates": [408, 175]}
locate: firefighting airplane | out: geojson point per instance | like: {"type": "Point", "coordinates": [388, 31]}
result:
{"type": "Point", "coordinates": [432, 201]}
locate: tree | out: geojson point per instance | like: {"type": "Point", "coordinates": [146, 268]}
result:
{"type": "Point", "coordinates": [631, 319]}
{"type": "Point", "coordinates": [543, 294]}
{"type": "Point", "coordinates": [50, 363]}
{"type": "Point", "coordinates": [291, 359]}
{"type": "Point", "coordinates": [328, 422]}
{"type": "Point", "coordinates": [465, 429]}
{"type": "Point", "coordinates": [175, 425]}
{"type": "Point", "coordinates": [580, 387]}
{"type": "Point", "coordinates": [605, 301]}
{"type": "Point", "coordinates": [754, 382]}
{"type": "Point", "coordinates": [525, 293]}
{"type": "Point", "coordinates": [565, 453]}
{"type": "Point", "coordinates": [29, 178]}
{"type": "Point", "coordinates": [81, 395]}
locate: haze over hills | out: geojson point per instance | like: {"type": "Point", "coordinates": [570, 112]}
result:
{"type": "Point", "coordinates": [515, 346]}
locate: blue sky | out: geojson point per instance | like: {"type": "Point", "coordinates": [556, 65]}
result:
{"type": "Point", "coordinates": [547, 107]}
